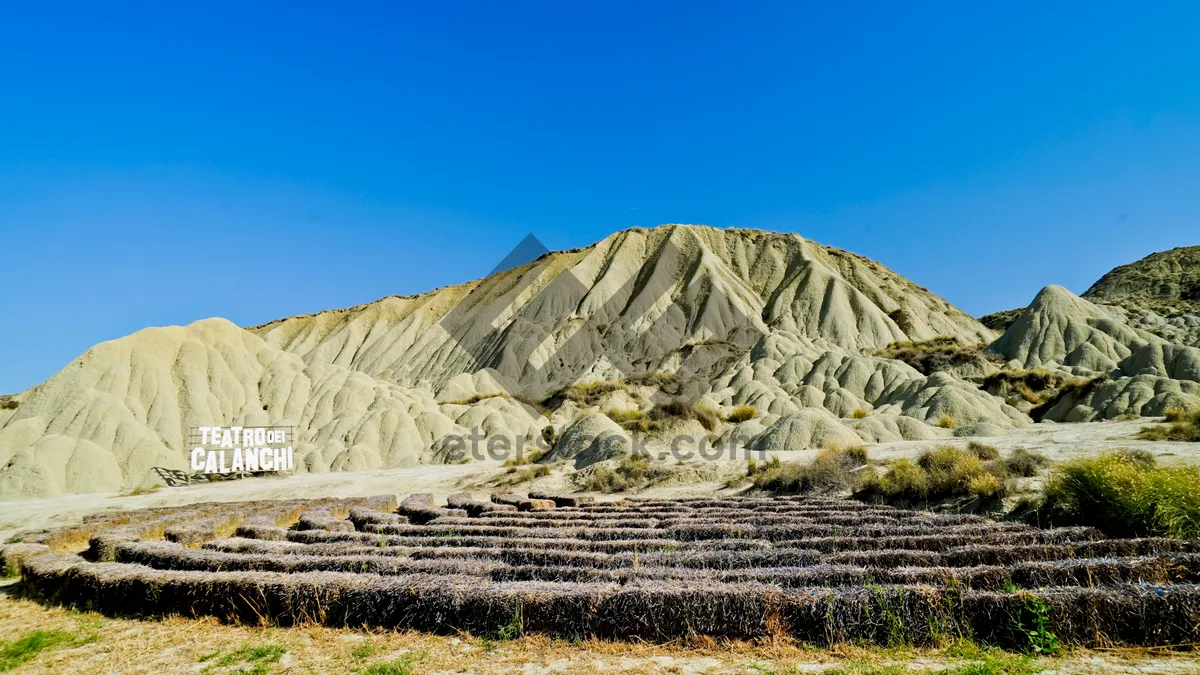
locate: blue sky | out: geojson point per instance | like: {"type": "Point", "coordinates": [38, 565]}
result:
{"type": "Point", "coordinates": [166, 162]}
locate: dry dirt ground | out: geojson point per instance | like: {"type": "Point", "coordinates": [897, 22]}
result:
{"type": "Point", "coordinates": [1057, 441]}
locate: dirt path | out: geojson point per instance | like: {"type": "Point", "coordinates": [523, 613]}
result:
{"type": "Point", "coordinates": [1058, 442]}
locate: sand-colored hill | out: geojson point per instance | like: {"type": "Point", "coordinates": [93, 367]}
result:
{"type": "Point", "coordinates": [1167, 282]}
{"type": "Point", "coordinates": [702, 318]}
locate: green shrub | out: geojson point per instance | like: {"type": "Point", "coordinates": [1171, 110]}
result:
{"type": "Point", "coordinates": [1175, 415]}
{"type": "Point", "coordinates": [939, 353]}
{"type": "Point", "coordinates": [1034, 386]}
{"type": "Point", "coordinates": [662, 415]}
{"type": "Point", "coordinates": [742, 413]}
{"type": "Point", "coordinates": [1179, 426]}
{"type": "Point", "coordinates": [629, 419]}
{"type": "Point", "coordinates": [1070, 389]}
{"type": "Point", "coordinates": [633, 473]}
{"type": "Point", "coordinates": [586, 395]}
{"type": "Point", "coordinates": [858, 413]}
{"type": "Point", "coordinates": [668, 383]}
{"type": "Point", "coordinates": [946, 422]}
{"type": "Point", "coordinates": [946, 472]}
{"type": "Point", "coordinates": [1124, 494]}
{"type": "Point", "coordinates": [983, 451]}
{"type": "Point", "coordinates": [1024, 463]}
{"type": "Point", "coordinates": [833, 470]}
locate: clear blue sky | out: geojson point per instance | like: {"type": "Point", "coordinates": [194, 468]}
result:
{"type": "Point", "coordinates": [166, 162]}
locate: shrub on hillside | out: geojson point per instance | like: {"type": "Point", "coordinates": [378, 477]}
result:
{"type": "Point", "coordinates": [833, 470]}
{"type": "Point", "coordinates": [742, 413]}
{"type": "Point", "coordinates": [663, 414]}
{"type": "Point", "coordinates": [632, 473]}
{"type": "Point", "coordinates": [1125, 494]}
{"type": "Point", "coordinates": [585, 395]}
{"type": "Point", "coordinates": [667, 383]}
{"type": "Point", "coordinates": [939, 353]}
{"type": "Point", "coordinates": [1179, 425]}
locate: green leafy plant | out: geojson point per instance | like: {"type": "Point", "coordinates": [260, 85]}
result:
{"type": "Point", "coordinates": [1041, 639]}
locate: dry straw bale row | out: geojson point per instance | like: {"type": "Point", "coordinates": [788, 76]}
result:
{"type": "Point", "coordinates": [562, 500]}
{"type": "Point", "coordinates": [821, 570]}
{"type": "Point", "coordinates": [659, 609]}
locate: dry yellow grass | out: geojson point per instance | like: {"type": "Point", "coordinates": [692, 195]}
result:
{"type": "Point", "coordinates": [107, 645]}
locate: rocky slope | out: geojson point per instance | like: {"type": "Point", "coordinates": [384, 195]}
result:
{"type": "Point", "coordinates": [665, 330]}
{"type": "Point", "coordinates": [1167, 283]}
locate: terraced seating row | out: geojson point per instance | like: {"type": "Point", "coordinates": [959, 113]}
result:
{"type": "Point", "coordinates": [820, 570]}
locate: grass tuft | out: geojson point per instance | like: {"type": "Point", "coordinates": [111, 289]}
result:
{"type": "Point", "coordinates": [742, 413]}
{"type": "Point", "coordinates": [984, 451]}
{"type": "Point", "coordinates": [1179, 425]}
{"type": "Point", "coordinates": [23, 649]}
{"type": "Point", "coordinates": [1124, 494]}
{"type": "Point", "coordinates": [1025, 464]}
{"type": "Point", "coordinates": [833, 470]}
{"type": "Point", "coordinates": [401, 666]}
{"type": "Point", "coordinates": [633, 473]}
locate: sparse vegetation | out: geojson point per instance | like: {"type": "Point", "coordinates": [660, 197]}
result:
{"type": "Point", "coordinates": [1023, 463]}
{"type": "Point", "coordinates": [939, 353]}
{"type": "Point", "coordinates": [9, 403]}
{"type": "Point", "coordinates": [521, 474]}
{"type": "Point", "coordinates": [632, 473]}
{"type": "Point", "coordinates": [1000, 321]}
{"type": "Point", "coordinates": [1125, 494]}
{"type": "Point", "coordinates": [667, 383]}
{"type": "Point", "coordinates": [662, 415]}
{"type": "Point", "coordinates": [25, 648]}
{"type": "Point", "coordinates": [586, 395]}
{"type": "Point", "coordinates": [941, 474]}
{"type": "Point", "coordinates": [525, 458]}
{"type": "Point", "coordinates": [833, 470]}
{"type": "Point", "coordinates": [257, 657]}
{"type": "Point", "coordinates": [140, 491]}
{"type": "Point", "coordinates": [946, 422]}
{"type": "Point", "coordinates": [903, 578]}
{"type": "Point", "coordinates": [1073, 388]}
{"type": "Point", "coordinates": [1034, 386]}
{"type": "Point", "coordinates": [859, 414]}
{"type": "Point", "coordinates": [476, 398]}
{"type": "Point", "coordinates": [1179, 425]}
{"type": "Point", "coordinates": [983, 451]}
{"type": "Point", "coordinates": [401, 666]}
{"type": "Point", "coordinates": [741, 413]}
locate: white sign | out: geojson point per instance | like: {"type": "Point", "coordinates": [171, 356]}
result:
{"type": "Point", "coordinates": [236, 449]}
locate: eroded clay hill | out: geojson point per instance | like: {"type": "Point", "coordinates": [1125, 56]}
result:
{"type": "Point", "coordinates": [1167, 282]}
{"type": "Point", "coordinates": [785, 328]}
